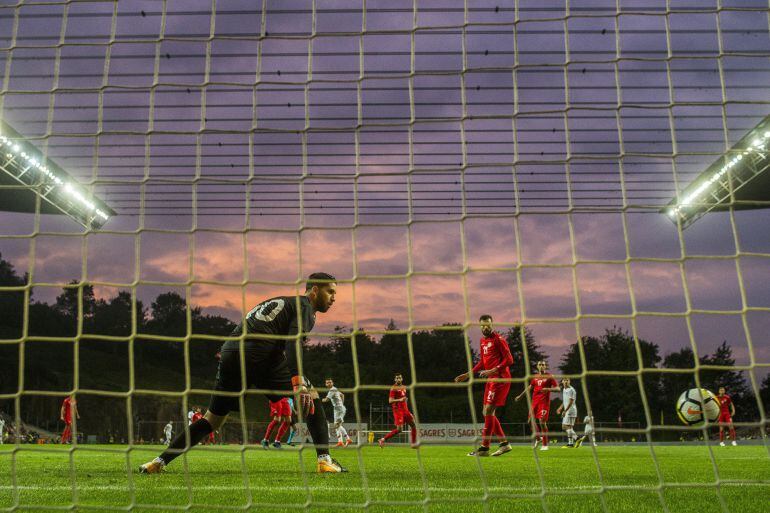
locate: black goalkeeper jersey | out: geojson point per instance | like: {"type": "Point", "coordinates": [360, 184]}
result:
{"type": "Point", "coordinates": [275, 316]}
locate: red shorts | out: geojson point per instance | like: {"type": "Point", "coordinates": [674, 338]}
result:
{"type": "Point", "coordinates": [725, 418]}
{"type": "Point", "coordinates": [496, 393]}
{"type": "Point", "coordinates": [401, 417]}
{"type": "Point", "coordinates": [280, 408]}
{"type": "Point", "coordinates": [541, 410]}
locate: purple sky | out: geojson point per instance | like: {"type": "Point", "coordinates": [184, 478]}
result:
{"type": "Point", "coordinates": [504, 152]}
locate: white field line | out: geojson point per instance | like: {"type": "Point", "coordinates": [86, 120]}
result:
{"type": "Point", "coordinates": [194, 488]}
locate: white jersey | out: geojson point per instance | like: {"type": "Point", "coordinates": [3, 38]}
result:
{"type": "Point", "coordinates": [167, 429]}
{"type": "Point", "coordinates": [190, 416]}
{"type": "Point", "coordinates": [589, 422]}
{"type": "Point", "coordinates": [568, 394]}
{"type": "Point", "coordinates": [335, 396]}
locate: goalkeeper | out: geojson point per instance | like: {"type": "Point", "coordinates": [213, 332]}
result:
{"type": "Point", "coordinates": [270, 364]}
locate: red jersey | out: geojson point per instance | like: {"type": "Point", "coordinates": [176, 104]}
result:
{"type": "Point", "coordinates": [495, 353]}
{"type": "Point", "coordinates": [538, 383]}
{"type": "Point", "coordinates": [67, 405]}
{"type": "Point", "coordinates": [197, 416]}
{"type": "Point", "coordinates": [724, 404]}
{"type": "Point", "coordinates": [398, 393]}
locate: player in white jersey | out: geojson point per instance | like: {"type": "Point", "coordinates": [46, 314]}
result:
{"type": "Point", "coordinates": [167, 429]}
{"type": "Point", "coordinates": [190, 416]}
{"type": "Point", "coordinates": [568, 411]}
{"type": "Point", "coordinates": [337, 399]}
{"type": "Point", "coordinates": [2, 429]}
{"type": "Point", "coordinates": [589, 431]}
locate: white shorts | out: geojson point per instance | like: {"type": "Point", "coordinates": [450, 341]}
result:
{"type": "Point", "coordinates": [589, 429]}
{"type": "Point", "coordinates": [568, 420]}
{"type": "Point", "coordinates": [339, 414]}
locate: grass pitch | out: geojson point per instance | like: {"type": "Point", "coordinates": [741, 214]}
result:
{"type": "Point", "coordinates": [433, 479]}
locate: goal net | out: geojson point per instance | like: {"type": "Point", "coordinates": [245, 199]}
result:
{"type": "Point", "coordinates": [549, 165]}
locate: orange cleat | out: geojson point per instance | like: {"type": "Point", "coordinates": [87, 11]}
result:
{"type": "Point", "coordinates": [155, 466]}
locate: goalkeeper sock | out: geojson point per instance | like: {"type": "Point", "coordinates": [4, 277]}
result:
{"type": "Point", "coordinates": [319, 428]}
{"type": "Point", "coordinates": [199, 430]}
{"type": "Point", "coordinates": [281, 431]}
{"type": "Point", "coordinates": [291, 435]}
{"type": "Point", "coordinates": [391, 434]}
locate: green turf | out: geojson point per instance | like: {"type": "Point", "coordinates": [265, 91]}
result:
{"type": "Point", "coordinates": [224, 479]}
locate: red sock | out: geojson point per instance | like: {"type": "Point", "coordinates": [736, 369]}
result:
{"type": "Point", "coordinates": [544, 429]}
{"type": "Point", "coordinates": [269, 429]}
{"type": "Point", "coordinates": [499, 430]}
{"type": "Point", "coordinates": [721, 435]}
{"type": "Point", "coordinates": [488, 431]}
{"type": "Point", "coordinates": [281, 431]}
{"type": "Point", "coordinates": [732, 434]}
{"type": "Point", "coordinates": [413, 435]}
{"type": "Point", "coordinates": [65, 436]}
{"type": "Point", "coordinates": [391, 434]}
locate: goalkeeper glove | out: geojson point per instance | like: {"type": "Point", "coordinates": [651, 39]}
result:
{"type": "Point", "coordinates": [304, 398]}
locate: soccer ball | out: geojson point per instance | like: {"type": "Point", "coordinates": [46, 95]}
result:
{"type": "Point", "coordinates": [696, 405]}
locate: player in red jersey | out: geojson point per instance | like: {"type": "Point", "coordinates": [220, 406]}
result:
{"type": "Point", "coordinates": [496, 358]}
{"type": "Point", "coordinates": [726, 413]}
{"type": "Point", "coordinates": [401, 414]}
{"type": "Point", "coordinates": [541, 385]}
{"type": "Point", "coordinates": [196, 415]}
{"type": "Point", "coordinates": [69, 407]}
{"type": "Point", "coordinates": [280, 412]}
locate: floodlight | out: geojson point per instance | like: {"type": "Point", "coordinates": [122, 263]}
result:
{"type": "Point", "coordinates": [732, 181]}
{"type": "Point", "coordinates": [23, 165]}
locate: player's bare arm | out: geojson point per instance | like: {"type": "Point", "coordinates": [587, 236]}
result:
{"type": "Point", "coordinates": [462, 377]}
{"type": "Point", "coordinates": [526, 389]}
{"type": "Point", "coordinates": [489, 372]}
{"type": "Point", "coordinates": [564, 409]}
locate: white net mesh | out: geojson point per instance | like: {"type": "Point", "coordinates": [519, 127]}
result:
{"type": "Point", "coordinates": [442, 160]}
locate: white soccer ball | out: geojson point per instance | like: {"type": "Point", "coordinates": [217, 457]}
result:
{"type": "Point", "coordinates": [696, 405]}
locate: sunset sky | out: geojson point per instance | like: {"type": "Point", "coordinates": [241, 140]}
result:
{"type": "Point", "coordinates": [187, 118]}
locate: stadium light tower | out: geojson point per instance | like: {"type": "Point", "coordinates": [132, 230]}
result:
{"type": "Point", "coordinates": [27, 174]}
{"type": "Point", "coordinates": [742, 169]}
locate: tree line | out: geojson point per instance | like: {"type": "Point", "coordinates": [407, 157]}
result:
{"type": "Point", "coordinates": [622, 374]}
